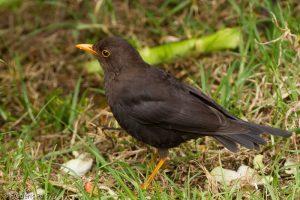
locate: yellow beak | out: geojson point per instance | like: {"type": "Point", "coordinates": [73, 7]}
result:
{"type": "Point", "coordinates": [87, 47]}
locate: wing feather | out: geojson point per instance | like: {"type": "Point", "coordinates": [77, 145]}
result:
{"type": "Point", "coordinates": [169, 104]}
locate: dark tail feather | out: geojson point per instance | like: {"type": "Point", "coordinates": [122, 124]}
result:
{"type": "Point", "coordinates": [250, 140]}
{"type": "Point", "coordinates": [230, 145]}
{"type": "Point", "coordinates": [241, 139]}
{"type": "Point", "coordinates": [273, 131]}
{"type": "Point", "coordinates": [265, 129]}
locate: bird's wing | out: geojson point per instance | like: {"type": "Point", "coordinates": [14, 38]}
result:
{"type": "Point", "coordinates": [168, 103]}
{"type": "Point", "coordinates": [197, 93]}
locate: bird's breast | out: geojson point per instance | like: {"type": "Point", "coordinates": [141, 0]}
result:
{"type": "Point", "coordinates": [115, 88]}
{"type": "Point", "coordinates": [109, 87]}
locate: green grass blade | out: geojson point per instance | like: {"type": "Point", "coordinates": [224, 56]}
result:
{"type": "Point", "coordinates": [73, 112]}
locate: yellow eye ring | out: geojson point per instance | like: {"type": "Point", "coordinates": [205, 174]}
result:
{"type": "Point", "coordinates": [105, 53]}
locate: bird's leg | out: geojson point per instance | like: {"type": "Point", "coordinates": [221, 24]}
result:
{"type": "Point", "coordinates": [163, 157]}
{"type": "Point", "coordinates": [151, 177]}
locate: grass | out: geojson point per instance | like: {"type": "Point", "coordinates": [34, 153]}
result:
{"type": "Point", "coordinates": [51, 107]}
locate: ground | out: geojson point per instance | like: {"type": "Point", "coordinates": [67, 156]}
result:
{"type": "Point", "coordinates": [52, 108]}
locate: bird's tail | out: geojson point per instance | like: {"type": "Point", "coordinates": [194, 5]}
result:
{"type": "Point", "coordinates": [251, 139]}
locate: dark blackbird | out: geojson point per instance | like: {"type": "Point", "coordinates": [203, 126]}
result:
{"type": "Point", "coordinates": [157, 109]}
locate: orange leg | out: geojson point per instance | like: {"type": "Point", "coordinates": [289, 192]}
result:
{"type": "Point", "coordinates": [151, 177]}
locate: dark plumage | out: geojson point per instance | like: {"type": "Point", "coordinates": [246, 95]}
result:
{"type": "Point", "coordinates": [157, 109]}
{"type": "Point", "coordinates": [154, 107]}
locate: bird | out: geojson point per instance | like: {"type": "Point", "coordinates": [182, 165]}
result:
{"type": "Point", "coordinates": [154, 107]}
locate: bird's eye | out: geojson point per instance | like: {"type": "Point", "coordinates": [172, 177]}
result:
{"type": "Point", "coordinates": [105, 53]}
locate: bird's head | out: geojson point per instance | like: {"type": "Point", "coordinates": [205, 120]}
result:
{"type": "Point", "coordinates": [114, 54]}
